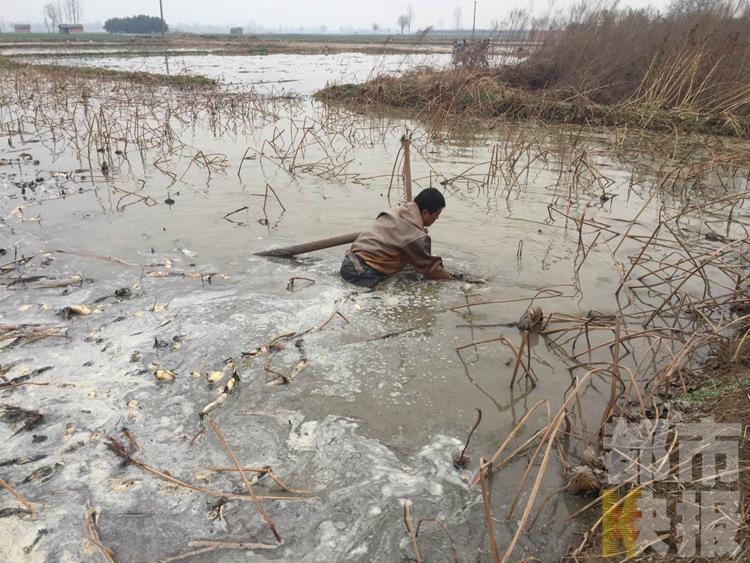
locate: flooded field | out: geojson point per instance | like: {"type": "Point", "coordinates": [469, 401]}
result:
{"type": "Point", "coordinates": [302, 74]}
{"type": "Point", "coordinates": [130, 219]}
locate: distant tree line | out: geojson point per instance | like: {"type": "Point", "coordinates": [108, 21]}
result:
{"type": "Point", "coordinates": [134, 24]}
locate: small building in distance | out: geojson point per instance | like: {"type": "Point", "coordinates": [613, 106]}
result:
{"type": "Point", "coordinates": [236, 31]}
{"type": "Point", "coordinates": [69, 28]}
{"type": "Point", "coordinates": [22, 28]}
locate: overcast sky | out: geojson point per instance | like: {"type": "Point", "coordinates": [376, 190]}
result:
{"type": "Point", "coordinates": [294, 13]}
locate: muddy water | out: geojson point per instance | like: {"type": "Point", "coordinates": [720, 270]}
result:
{"type": "Point", "coordinates": [384, 401]}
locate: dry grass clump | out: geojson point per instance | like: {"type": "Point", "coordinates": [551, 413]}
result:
{"type": "Point", "coordinates": [601, 65]}
{"type": "Point", "coordinates": [180, 80]}
{"type": "Point", "coordinates": [486, 94]}
{"type": "Point", "coordinates": [694, 58]}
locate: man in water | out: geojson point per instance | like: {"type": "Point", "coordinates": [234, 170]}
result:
{"type": "Point", "coordinates": [398, 237]}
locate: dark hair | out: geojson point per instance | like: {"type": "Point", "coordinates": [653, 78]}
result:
{"type": "Point", "coordinates": [430, 199]}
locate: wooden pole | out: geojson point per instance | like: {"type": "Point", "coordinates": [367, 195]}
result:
{"type": "Point", "coordinates": [304, 248]}
{"type": "Point", "coordinates": [474, 21]}
{"type": "Point", "coordinates": [161, 12]}
{"type": "Point", "coordinates": [406, 143]}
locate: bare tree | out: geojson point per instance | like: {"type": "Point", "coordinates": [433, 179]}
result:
{"type": "Point", "coordinates": [410, 16]}
{"type": "Point", "coordinates": [517, 24]}
{"type": "Point", "coordinates": [51, 14]}
{"type": "Point", "coordinates": [457, 17]}
{"type": "Point", "coordinates": [403, 21]}
{"type": "Point", "coordinates": [73, 11]}
{"type": "Point", "coordinates": [376, 27]}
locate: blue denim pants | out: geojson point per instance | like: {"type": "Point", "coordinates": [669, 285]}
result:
{"type": "Point", "coordinates": [356, 271]}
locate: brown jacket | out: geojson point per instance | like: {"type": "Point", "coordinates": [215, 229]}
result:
{"type": "Point", "coordinates": [398, 238]}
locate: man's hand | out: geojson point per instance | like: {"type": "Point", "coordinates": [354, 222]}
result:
{"type": "Point", "coordinates": [439, 275]}
{"type": "Point", "coordinates": [461, 276]}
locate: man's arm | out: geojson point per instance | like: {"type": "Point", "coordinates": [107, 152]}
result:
{"type": "Point", "coordinates": [418, 254]}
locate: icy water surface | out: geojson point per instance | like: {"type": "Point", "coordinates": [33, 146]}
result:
{"type": "Point", "coordinates": [384, 401]}
{"type": "Point", "coordinates": [302, 74]}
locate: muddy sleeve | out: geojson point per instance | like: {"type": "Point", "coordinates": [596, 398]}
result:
{"type": "Point", "coordinates": [418, 254]}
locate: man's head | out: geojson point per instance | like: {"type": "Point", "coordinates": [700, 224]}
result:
{"type": "Point", "coordinates": [430, 202]}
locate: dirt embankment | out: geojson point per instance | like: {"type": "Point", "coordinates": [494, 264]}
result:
{"type": "Point", "coordinates": [485, 95]}
{"type": "Point", "coordinates": [248, 45]}
{"type": "Point", "coordinates": [178, 81]}
{"type": "Point", "coordinates": [687, 70]}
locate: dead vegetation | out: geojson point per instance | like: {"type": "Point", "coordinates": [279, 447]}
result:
{"type": "Point", "coordinates": [178, 81]}
{"type": "Point", "coordinates": [601, 65]}
{"type": "Point", "coordinates": [105, 121]}
{"type": "Point", "coordinates": [694, 58]}
{"type": "Point", "coordinates": [679, 310]}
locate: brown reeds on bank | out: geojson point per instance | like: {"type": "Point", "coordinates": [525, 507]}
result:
{"type": "Point", "coordinates": [688, 69]}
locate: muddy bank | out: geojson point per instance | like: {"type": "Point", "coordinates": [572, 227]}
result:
{"type": "Point", "coordinates": [315, 44]}
{"type": "Point", "coordinates": [485, 96]}
{"type": "Point", "coordinates": [110, 74]}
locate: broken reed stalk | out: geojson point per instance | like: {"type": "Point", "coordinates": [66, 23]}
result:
{"type": "Point", "coordinates": [265, 198]}
{"type": "Point", "coordinates": [518, 451]}
{"type": "Point", "coordinates": [524, 339]}
{"type": "Point", "coordinates": [447, 533]}
{"type": "Point", "coordinates": [393, 171]}
{"type": "Point", "coordinates": [330, 318]}
{"type": "Point", "coordinates": [461, 461]}
{"type": "Point", "coordinates": [615, 377]}
{"type": "Point", "coordinates": [228, 215]}
{"type": "Point", "coordinates": [90, 526]}
{"type": "Point", "coordinates": [232, 545]}
{"type": "Point", "coordinates": [29, 506]}
{"type": "Point", "coordinates": [543, 293]}
{"type": "Point", "coordinates": [206, 546]}
{"type": "Point", "coordinates": [484, 470]}
{"type": "Point", "coordinates": [185, 555]}
{"type": "Point", "coordinates": [740, 344]}
{"type": "Point", "coordinates": [261, 471]}
{"type": "Point", "coordinates": [242, 163]}
{"type": "Point", "coordinates": [248, 486]}
{"type": "Point", "coordinates": [131, 440]}
{"type": "Point", "coordinates": [118, 449]}
{"type": "Point", "coordinates": [267, 353]}
{"type": "Point", "coordinates": [410, 530]}
{"type": "Point", "coordinates": [290, 286]}
{"type": "Point", "coordinates": [516, 429]}
{"type": "Point", "coordinates": [549, 438]}
{"type": "Point", "coordinates": [198, 434]}
{"type": "Point", "coordinates": [508, 343]}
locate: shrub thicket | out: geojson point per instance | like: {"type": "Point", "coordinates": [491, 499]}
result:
{"type": "Point", "coordinates": [695, 57]}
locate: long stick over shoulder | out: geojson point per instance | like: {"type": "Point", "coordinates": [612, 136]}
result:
{"type": "Point", "coordinates": [304, 248]}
